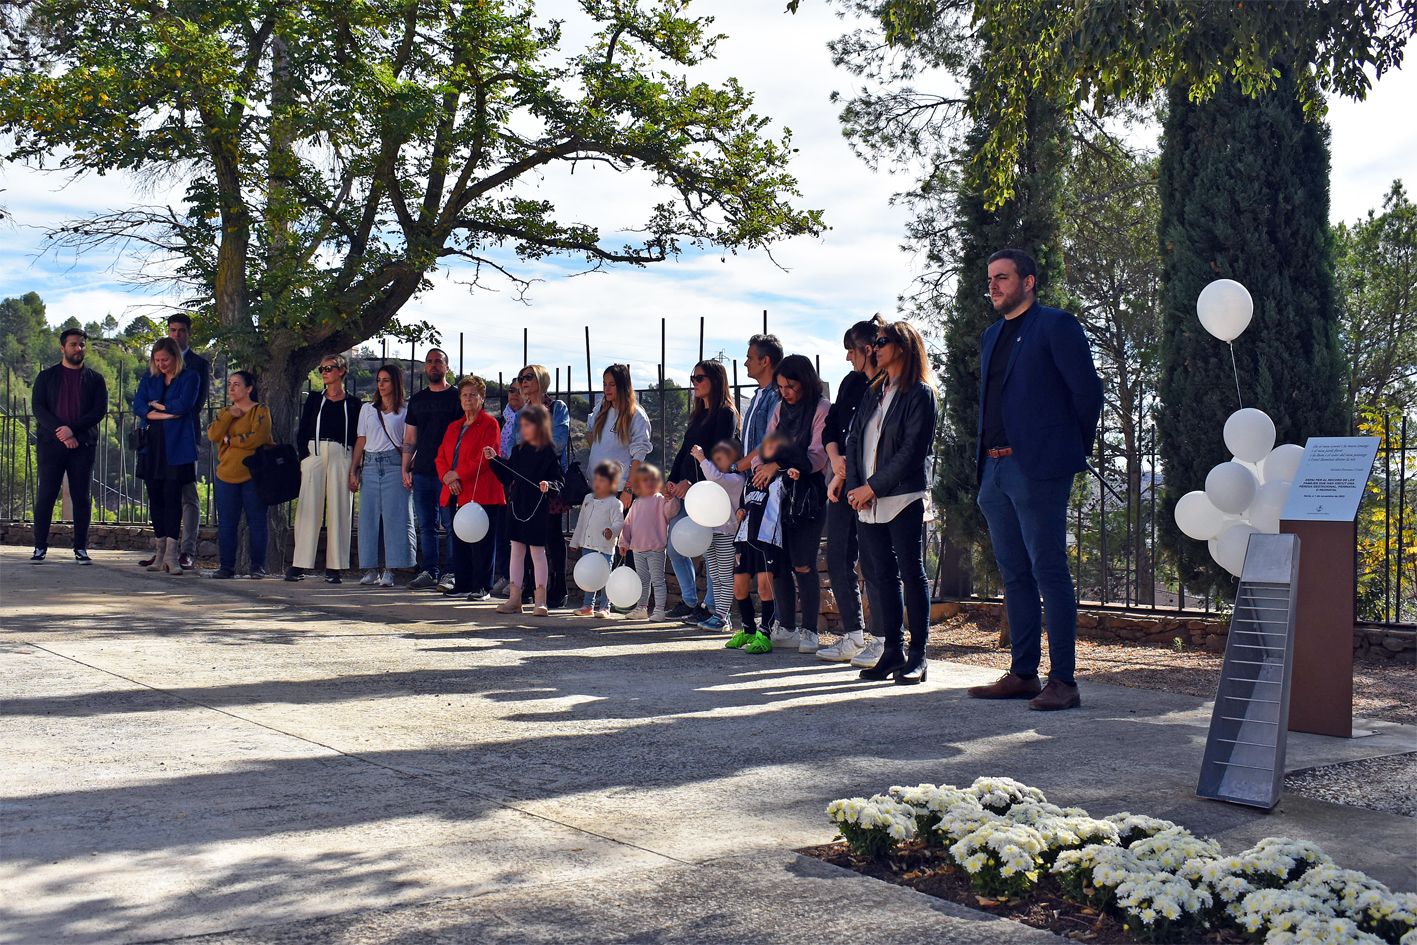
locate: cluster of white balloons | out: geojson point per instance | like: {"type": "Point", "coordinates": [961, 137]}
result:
{"type": "Point", "coordinates": [1243, 496]}
{"type": "Point", "coordinates": [707, 506]}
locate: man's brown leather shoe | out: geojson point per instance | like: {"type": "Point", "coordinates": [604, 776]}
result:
{"type": "Point", "coordinates": [1056, 695]}
{"type": "Point", "coordinates": [1007, 686]}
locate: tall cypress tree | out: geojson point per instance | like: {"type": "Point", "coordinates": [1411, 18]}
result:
{"type": "Point", "coordinates": [1030, 221]}
{"type": "Point", "coordinates": [1245, 196]}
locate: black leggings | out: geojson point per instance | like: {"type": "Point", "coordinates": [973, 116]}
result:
{"type": "Point", "coordinates": [891, 557]}
{"type": "Point", "coordinates": [165, 507]}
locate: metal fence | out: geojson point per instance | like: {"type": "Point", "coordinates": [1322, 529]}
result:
{"type": "Point", "coordinates": [1117, 558]}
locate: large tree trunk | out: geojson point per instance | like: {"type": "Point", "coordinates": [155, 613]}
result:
{"type": "Point", "coordinates": [282, 387]}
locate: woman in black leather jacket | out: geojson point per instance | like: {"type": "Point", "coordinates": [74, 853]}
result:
{"type": "Point", "coordinates": [887, 481]}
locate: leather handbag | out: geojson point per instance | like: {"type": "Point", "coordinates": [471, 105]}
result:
{"type": "Point", "coordinates": [276, 472]}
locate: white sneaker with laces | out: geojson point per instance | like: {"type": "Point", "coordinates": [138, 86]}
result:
{"type": "Point", "coordinates": [842, 651]}
{"type": "Point", "coordinates": [783, 636]}
{"type": "Point", "coordinates": [639, 613]}
{"type": "Point", "coordinates": [807, 641]}
{"type": "Point", "coordinates": [871, 655]}
{"type": "Point", "coordinates": [386, 579]}
{"type": "Point", "coordinates": [370, 578]}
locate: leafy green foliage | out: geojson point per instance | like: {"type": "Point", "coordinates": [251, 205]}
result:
{"type": "Point", "coordinates": [1244, 195]}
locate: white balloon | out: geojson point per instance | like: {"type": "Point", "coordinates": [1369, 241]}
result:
{"type": "Point", "coordinates": [1230, 487]}
{"type": "Point", "coordinates": [1283, 463]}
{"type": "Point", "coordinates": [623, 588]}
{"type": "Point", "coordinates": [470, 523]}
{"type": "Point", "coordinates": [1256, 469]}
{"type": "Point", "coordinates": [1197, 516]}
{"type": "Point", "coordinates": [1249, 434]}
{"type": "Point", "coordinates": [1230, 547]}
{"type": "Point", "coordinates": [592, 571]}
{"type": "Point", "coordinates": [1225, 309]}
{"type": "Point", "coordinates": [689, 538]}
{"type": "Point", "coordinates": [1268, 505]}
{"type": "Point", "coordinates": [708, 504]}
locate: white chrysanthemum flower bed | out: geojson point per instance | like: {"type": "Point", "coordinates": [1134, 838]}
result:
{"type": "Point", "coordinates": [1162, 881]}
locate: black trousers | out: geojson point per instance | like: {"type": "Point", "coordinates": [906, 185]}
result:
{"type": "Point", "coordinates": [54, 460]}
{"type": "Point", "coordinates": [472, 562]}
{"type": "Point", "coordinates": [165, 507]}
{"type": "Point", "coordinates": [895, 577]}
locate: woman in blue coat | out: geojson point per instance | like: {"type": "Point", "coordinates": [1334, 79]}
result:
{"type": "Point", "coordinates": [163, 404]}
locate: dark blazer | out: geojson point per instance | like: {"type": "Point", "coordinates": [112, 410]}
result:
{"type": "Point", "coordinates": [192, 361]}
{"type": "Point", "coordinates": [306, 431]}
{"type": "Point", "coordinates": [93, 403]}
{"type": "Point", "coordinates": [1052, 395]}
{"type": "Point", "coordinates": [907, 436]}
{"type": "Point", "coordinates": [178, 439]}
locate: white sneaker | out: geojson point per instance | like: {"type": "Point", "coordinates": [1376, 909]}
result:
{"type": "Point", "coordinates": [386, 579]}
{"type": "Point", "coordinates": [370, 577]}
{"type": "Point", "coordinates": [659, 616]}
{"type": "Point", "coordinates": [783, 636]}
{"type": "Point", "coordinates": [807, 641]}
{"type": "Point", "coordinates": [871, 655]}
{"type": "Point", "coordinates": [639, 613]}
{"type": "Point", "coordinates": [842, 651]}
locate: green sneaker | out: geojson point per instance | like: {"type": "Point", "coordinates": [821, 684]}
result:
{"type": "Point", "coordinates": [738, 639]}
{"type": "Point", "coordinates": [760, 643]}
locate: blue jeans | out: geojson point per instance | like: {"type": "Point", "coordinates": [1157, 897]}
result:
{"type": "Point", "coordinates": [432, 549]}
{"type": "Point", "coordinates": [895, 577]}
{"type": "Point", "coordinates": [1028, 525]}
{"type": "Point", "coordinates": [383, 499]}
{"type": "Point", "coordinates": [684, 571]}
{"type": "Point", "coordinates": [597, 600]}
{"type": "Point", "coordinates": [232, 499]}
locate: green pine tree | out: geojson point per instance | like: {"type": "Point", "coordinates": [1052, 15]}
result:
{"type": "Point", "coordinates": [1244, 195]}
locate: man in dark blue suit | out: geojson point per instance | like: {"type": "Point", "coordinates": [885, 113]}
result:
{"type": "Point", "coordinates": [1040, 399]}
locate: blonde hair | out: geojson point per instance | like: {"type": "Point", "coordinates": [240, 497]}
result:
{"type": "Point", "coordinates": [543, 377]}
{"type": "Point", "coordinates": [340, 361]}
{"type": "Point", "coordinates": [649, 471]}
{"type": "Point", "coordinates": [170, 346]}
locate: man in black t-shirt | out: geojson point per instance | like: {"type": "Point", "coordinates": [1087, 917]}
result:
{"type": "Point", "coordinates": [430, 412]}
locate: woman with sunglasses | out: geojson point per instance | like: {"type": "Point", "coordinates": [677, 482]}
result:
{"type": "Point", "coordinates": [801, 417]}
{"type": "Point", "coordinates": [329, 425]}
{"type": "Point", "coordinates": [535, 382]}
{"type": "Point", "coordinates": [841, 518]}
{"type": "Point", "coordinates": [618, 430]}
{"type": "Point", "coordinates": [887, 482]}
{"type": "Point", "coordinates": [713, 419]}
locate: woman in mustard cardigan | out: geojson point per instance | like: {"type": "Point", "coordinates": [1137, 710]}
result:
{"type": "Point", "coordinates": [243, 427]}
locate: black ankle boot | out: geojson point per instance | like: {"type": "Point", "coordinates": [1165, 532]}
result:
{"type": "Point", "coordinates": [913, 672]}
{"type": "Point", "coordinates": [891, 660]}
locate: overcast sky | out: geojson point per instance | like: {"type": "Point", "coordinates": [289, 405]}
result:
{"type": "Point", "coordinates": [855, 269]}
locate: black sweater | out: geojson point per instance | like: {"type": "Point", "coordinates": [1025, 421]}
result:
{"type": "Point", "coordinates": [710, 430]}
{"type": "Point", "coordinates": [93, 403]}
{"type": "Point", "coordinates": [346, 432]}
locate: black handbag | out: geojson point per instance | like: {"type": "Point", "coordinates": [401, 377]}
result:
{"type": "Point", "coordinates": [138, 438]}
{"type": "Point", "coordinates": [276, 472]}
{"type": "Point", "coordinates": [575, 489]}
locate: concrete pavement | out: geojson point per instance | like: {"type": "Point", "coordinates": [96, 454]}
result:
{"type": "Point", "coordinates": [316, 763]}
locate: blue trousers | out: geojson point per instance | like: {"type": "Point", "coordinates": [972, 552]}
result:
{"type": "Point", "coordinates": [383, 499]}
{"type": "Point", "coordinates": [684, 572]}
{"type": "Point", "coordinates": [433, 550]}
{"type": "Point", "coordinates": [1028, 525]}
{"type": "Point", "coordinates": [597, 600]}
{"type": "Point", "coordinates": [232, 500]}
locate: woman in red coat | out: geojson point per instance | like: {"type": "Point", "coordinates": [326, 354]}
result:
{"type": "Point", "coordinates": [468, 477]}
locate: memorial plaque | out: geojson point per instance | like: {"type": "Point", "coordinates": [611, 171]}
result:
{"type": "Point", "coordinates": [1331, 478]}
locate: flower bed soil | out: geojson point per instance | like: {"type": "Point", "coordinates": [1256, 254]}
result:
{"type": "Point", "coordinates": [1045, 907]}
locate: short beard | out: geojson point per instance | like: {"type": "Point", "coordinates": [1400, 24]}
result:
{"type": "Point", "coordinates": [69, 360]}
{"type": "Point", "coordinates": [1009, 304]}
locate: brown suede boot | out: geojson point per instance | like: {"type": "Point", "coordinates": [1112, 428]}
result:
{"type": "Point", "coordinates": [1007, 686]}
{"type": "Point", "coordinates": [513, 603]}
{"type": "Point", "coordinates": [539, 599]}
{"type": "Point", "coordinates": [159, 555]}
{"type": "Point", "coordinates": [1056, 695]}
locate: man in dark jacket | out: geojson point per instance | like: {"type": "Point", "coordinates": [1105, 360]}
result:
{"type": "Point", "coordinates": [68, 401]}
{"type": "Point", "coordinates": [179, 329]}
{"type": "Point", "coordinates": [1040, 399]}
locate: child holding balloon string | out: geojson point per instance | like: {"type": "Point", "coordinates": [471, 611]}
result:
{"type": "Point", "coordinates": [646, 533]}
{"type": "Point", "coordinates": [721, 554]}
{"type": "Point", "coordinates": [529, 475]}
{"type": "Point", "coordinates": [597, 528]}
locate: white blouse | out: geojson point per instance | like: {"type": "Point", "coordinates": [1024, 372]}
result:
{"type": "Point", "coordinates": [380, 438]}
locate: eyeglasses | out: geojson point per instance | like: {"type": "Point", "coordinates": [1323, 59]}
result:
{"type": "Point", "coordinates": [880, 342]}
{"type": "Point", "coordinates": [698, 378]}
{"type": "Point", "coordinates": [523, 378]}
{"type": "Point", "coordinates": [328, 368]}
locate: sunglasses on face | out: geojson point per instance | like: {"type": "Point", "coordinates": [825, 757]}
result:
{"type": "Point", "coordinates": [328, 368]}
{"type": "Point", "coordinates": [880, 342]}
{"type": "Point", "coordinates": [526, 378]}
{"type": "Point", "coordinates": [698, 378]}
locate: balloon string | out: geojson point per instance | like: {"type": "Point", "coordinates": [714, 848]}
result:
{"type": "Point", "coordinates": [1236, 371]}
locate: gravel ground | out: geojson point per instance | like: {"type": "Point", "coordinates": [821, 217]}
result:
{"type": "Point", "coordinates": [1380, 690]}
{"type": "Point", "coordinates": [1386, 784]}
